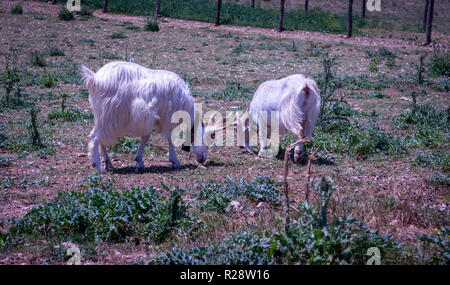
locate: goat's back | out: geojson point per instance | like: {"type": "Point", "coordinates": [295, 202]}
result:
{"type": "Point", "coordinates": [285, 96]}
{"type": "Point", "coordinates": [131, 100]}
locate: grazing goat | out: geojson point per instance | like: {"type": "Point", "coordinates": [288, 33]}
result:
{"type": "Point", "coordinates": [130, 100]}
{"type": "Point", "coordinates": [295, 100]}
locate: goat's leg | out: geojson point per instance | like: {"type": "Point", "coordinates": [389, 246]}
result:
{"type": "Point", "coordinates": [263, 138]}
{"type": "Point", "coordinates": [173, 155]}
{"type": "Point", "coordinates": [94, 148]}
{"type": "Point", "coordinates": [298, 151]}
{"type": "Point", "coordinates": [106, 160]}
{"type": "Point", "coordinates": [139, 154]}
{"type": "Point", "coordinates": [307, 131]}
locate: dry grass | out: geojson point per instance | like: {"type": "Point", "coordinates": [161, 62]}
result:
{"type": "Point", "coordinates": [387, 192]}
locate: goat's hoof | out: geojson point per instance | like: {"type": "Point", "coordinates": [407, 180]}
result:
{"type": "Point", "coordinates": [176, 164]}
{"type": "Point", "coordinates": [138, 167]}
{"type": "Point", "coordinates": [108, 165]}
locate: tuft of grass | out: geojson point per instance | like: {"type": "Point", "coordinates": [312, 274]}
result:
{"type": "Point", "coordinates": [17, 10]}
{"type": "Point", "coordinates": [37, 58]}
{"type": "Point", "coordinates": [436, 159]}
{"type": "Point", "coordinates": [218, 196]}
{"type": "Point", "coordinates": [440, 179]}
{"type": "Point", "coordinates": [233, 91]}
{"type": "Point", "coordinates": [151, 25]}
{"type": "Point", "coordinates": [55, 51]}
{"type": "Point", "coordinates": [439, 63]}
{"type": "Point", "coordinates": [49, 80]}
{"type": "Point", "coordinates": [117, 35]}
{"type": "Point", "coordinates": [64, 14]}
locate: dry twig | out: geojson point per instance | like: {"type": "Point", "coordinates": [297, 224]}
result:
{"type": "Point", "coordinates": [285, 183]}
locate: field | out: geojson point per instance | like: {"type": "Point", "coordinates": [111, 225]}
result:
{"type": "Point", "coordinates": [384, 147]}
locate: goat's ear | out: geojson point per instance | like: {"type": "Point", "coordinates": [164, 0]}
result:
{"type": "Point", "coordinates": [186, 148]}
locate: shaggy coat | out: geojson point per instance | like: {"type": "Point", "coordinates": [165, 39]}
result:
{"type": "Point", "coordinates": [295, 100]}
{"type": "Point", "coordinates": [130, 100]}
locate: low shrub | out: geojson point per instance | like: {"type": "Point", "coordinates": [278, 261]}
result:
{"type": "Point", "coordinates": [65, 15]}
{"type": "Point", "coordinates": [439, 64]}
{"type": "Point", "coordinates": [151, 25]}
{"type": "Point", "coordinates": [103, 214]}
{"type": "Point", "coordinates": [217, 196]}
{"type": "Point", "coordinates": [17, 9]}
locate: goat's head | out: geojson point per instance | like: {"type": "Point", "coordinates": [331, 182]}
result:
{"type": "Point", "coordinates": [204, 136]}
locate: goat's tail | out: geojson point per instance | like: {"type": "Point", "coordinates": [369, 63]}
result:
{"type": "Point", "coordinates": [87, 76]}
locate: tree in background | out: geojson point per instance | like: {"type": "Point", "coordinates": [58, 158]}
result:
{"type": "Point", "coordinates": [253, 3]}
{"type": "Point", "coordinates": [280, 28]}
{"type": "Point", "coordinates": [306, 6]}
{"type": "Point", "coordinates": [425, 15]}
{"type": "Point", "coordinates": [350, 19]}
{"type": "Point", "coordinates": [363, 9]}
{"type": "Point", "coordinates": [105, 6]}
{"type": "Point", "coordinates": [429, 22]}
{"type": "Point", "coordinates": [219, 7]}
{"type": "Point", "coordinates": [158, 5]}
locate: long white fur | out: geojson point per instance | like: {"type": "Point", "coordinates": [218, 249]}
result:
{"type": "Point", "coordinates": [297, 112]}
{"type": "Point", "coordinates": [130, 100]}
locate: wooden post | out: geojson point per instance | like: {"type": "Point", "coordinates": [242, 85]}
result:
{"type": "Point", "coordinates": [363, 9]}
{"type": "Point", "coordinates": [219, 6]}
{"type": "Point", "coordinates": [430, 22]}
{"type": "Point", "coordinates": [350, 19]}
{"type": "Point", "coordinates": [425, 15]}
{"type": "Point", "coordinates": [280, 28]}
{"type": "Point", "coordinates": [105, 6]}
{"type": "Point", "coordinates": [285, 183]}
{"type": "Point", "coordinates": [158, 5]}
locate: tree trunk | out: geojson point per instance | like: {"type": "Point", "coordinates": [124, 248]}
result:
{"type": "Point", "coordinates": [53, 2]}
{"type": "Point", "coordinates": [350, 19]}
{"type": "Point", "coordinates": [430, 22]}
{"type": "Point", "coordinates": [105, 6]}
{"type": "Point", "coordinates": [253, 3]}
{"type": "Point", "coordinates": [280, 28]}
{"type": "Point", "coordinates": [425, 15]}
{"type": "Point", "coordinates": [363, 9]}
{"type": "Point", "coordinates": [219, 6]}
{"type": "Point", "coordinates": [306, 6]}
{"type": "Point", "coordinates": [158, 5]}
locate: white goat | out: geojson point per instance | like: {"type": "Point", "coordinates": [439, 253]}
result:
{"type": "Point", "coordinates": [131, 100]}
{"type": "Point", "coordinates": [297, 102]}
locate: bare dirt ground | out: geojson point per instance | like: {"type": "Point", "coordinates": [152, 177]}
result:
{"type": "Point", "coordinates": [386, 191]}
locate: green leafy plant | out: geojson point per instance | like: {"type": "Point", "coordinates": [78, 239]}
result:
{"type": "Point", "coordinates": [439, 241]}
{"type": "Point", "coordinates": [64, 14]}
{"type": "Point", "coordinates": [234, 91]}
{"type": "Point", "coordinates": [117, 35]}
{"type": "Point", "coordinates": [17, 9]}
{"type": "Point", "coordinates": [10, 77]}
{"type": "Point", "coordinates": [151, 25]}
{"type": "Point", "coordinates": [49, 80]}
{"type": "Point", "coordinates": [217, 196]}
{"type": "Point", "coordinates": [103, 214]}
{"type": "Point", "coordinates": [440, 63]}
{"type": "Point", "coordinates": [37, 58]}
